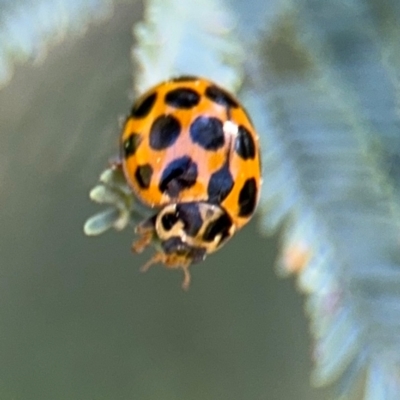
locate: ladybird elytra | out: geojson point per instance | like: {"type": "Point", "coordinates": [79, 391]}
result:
{"type": "Point", "coordinates": [190, 152]}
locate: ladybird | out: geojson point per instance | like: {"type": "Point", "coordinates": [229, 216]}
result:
{"type": "Point", "coordinates": [190, 153]}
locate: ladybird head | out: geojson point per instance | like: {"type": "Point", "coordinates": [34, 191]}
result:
{"type": "Point", "coordinates": [185, 233]}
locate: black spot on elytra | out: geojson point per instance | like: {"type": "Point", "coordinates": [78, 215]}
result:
{"type": "Point", "coordinates": [185, 78]}
{"type": "Point", "coordinates": [220, 226]}
{"type": "Point", "coordinates": [164, 132]}
{"type": "Point", "coordinates": [179, 174]}
{"type": "Point", "coordinates": [130, 145]}
{"type": "Point", "coordinates": [184, 98]}
{"type": "Point", "coordinates": [190, 215]}
{"type": "Point", "coordinates": [221, 97]}
{"type": "Point", "coordinates": [143, 175]}
{"type": "Point", "coordinates": [207, 132]}
{"type": "Point", "coordinates": [143, 107]}
{"type": "Point", "coordinates": [248, 198]}
{"type": "Point", "coordinates": [244, 144]}
{"type": "Point", "coordinates": [220, 185]}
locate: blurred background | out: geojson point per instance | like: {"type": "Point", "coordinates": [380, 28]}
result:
{"type": "Point", "coordinates": [77, 319]}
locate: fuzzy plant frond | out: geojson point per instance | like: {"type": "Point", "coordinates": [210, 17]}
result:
{"type": "Point", "coordinates": [112, 190]}
{"type": "Point", "coordinates": [180, 37]}
{"type": "Point", "coordinates": [327, 115]}
{"type": "Point", "coordinates": [28, 30]}
{"type": "Point", "coordinates": [123, 207]}
{"type": "Point", "coordinates": [321, 82]}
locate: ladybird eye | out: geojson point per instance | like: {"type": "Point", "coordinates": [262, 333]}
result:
{"type": "Point", "coordinates": [169, 220]}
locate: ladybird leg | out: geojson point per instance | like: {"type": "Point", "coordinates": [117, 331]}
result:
{"type": "Point", "coordinates": [142, 242]}
{"type": "Point", "coordinates": [186, 278]}
{"type": "Point", "coordinates": [145, 230]}
{"type": "Point", "coordinates": [173, 263]}
{"type": "Point", "coordinates": [157, 258]}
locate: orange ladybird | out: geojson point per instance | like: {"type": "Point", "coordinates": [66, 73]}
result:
{"type": "Point", "coordinates": [190, 152]}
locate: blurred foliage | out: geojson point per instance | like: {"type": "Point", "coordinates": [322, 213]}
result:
{"type": "Point", "coordinates": [321, 82]}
